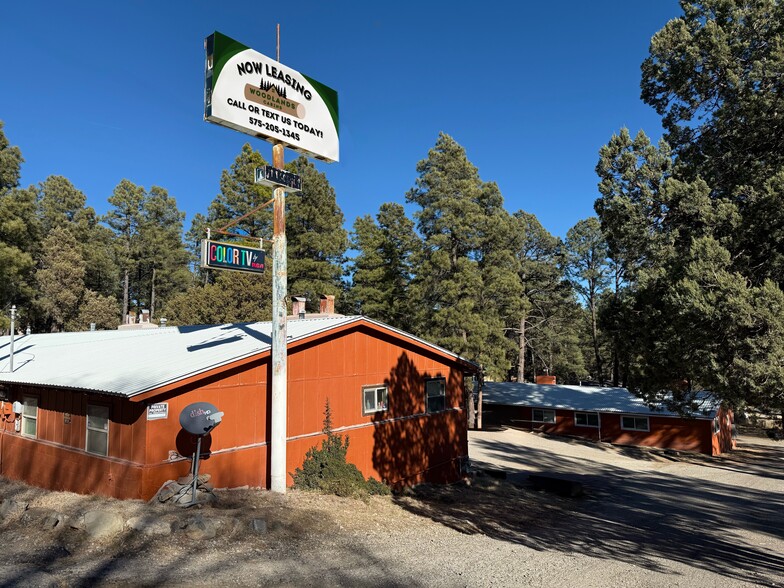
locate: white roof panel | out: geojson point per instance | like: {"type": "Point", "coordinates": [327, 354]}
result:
{"type": "Point", "coordinates": [133, 361]}
{"type": "Point", "coordinates": [581, 398]}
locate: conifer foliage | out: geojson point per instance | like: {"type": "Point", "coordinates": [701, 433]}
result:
{"type": "Point", "coordinates": [327, 470]}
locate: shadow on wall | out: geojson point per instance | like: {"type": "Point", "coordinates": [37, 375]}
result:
{"type": "Point", "coordinates": [409, 445]}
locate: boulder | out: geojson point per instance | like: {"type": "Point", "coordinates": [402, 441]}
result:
{"type": "Point", "coordinates": [99, 524]}
{"type": "Point", "coordinates": [200, 528]}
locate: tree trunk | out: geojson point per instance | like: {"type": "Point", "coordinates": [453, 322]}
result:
{"type": "Point", "coordinates": [125, 297]}
{"type": "Point", "coordinates": [595, 336]}
{"type": "Point", "coordinates": [152, 295]}
{"type": "Point", "coordinates": [471, 404]}
{"type": "Point", "coordinates": [521, 353]}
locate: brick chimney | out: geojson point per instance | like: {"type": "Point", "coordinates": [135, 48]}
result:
{"type": "Point", "coordinates": [298, 306]}
{"type": "Point", "coordinates": [327, 304]}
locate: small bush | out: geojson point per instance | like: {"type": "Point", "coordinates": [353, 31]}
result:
{"type": "Point", "coordinates": [326, 470]}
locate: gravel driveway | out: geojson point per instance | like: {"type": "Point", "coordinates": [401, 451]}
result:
{"type": "Point", "coordinates": [650, 517]}
{"type": "Point", "coordinates": [646, 519]}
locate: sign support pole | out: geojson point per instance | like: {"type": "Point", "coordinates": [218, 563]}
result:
{"type": "Point", "coordinates": [279, 343]}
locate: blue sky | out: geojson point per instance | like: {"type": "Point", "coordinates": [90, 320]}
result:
{"type": "Point", "coordinates": [101, 91]}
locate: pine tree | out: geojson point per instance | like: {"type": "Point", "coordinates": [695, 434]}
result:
{"type": "Point", "coordinates": [125, 219]}
{"type": "Point", "coordinates": [448, 282]}
{"type": "Point", "coordinates": [60, 279]}
{"type": "Point", "coordinates": [19, 232]}
{"type": "Point", "coordinates": [163, 258]}
{"type": "Point", "coordinates": [381, 271]}
{"type": "Point", "coordinates": [588, 270]}
{"type": "Point", "coordinates": [61, 205]}
{"type": "Point", "coordinates": [316, 239]}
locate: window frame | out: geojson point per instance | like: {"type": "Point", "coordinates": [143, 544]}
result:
{"type": "Point", "coordinates": [379, 407]}
{"type": "Point", "coordinates": [647, 428]}
{"type": "Point", "coordinates": [27, 418]}
{"type": "Point", "coordinates": [543, 420]}
{"type": "Point", "coordinates": [95, 429]}
{"type": "Point", "coordinates": [586, 414]}
{"type": "Point", "coordinates": [442, 395]}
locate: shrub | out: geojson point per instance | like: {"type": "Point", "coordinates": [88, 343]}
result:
{"type": "Point", "coordinates": [326, 470]}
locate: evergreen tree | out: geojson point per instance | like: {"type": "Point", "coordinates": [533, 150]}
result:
{"type": "Point", "coordinates": [233, 297]}
{"type": "Point", "coordinates": [542, 292]}
{"type": "Point", "coordinates": [316, 239]}
{"type": "Point", "coordinates": [19, 233]}
{"type": "Point", "coordinates": [61, 205]}
{"type": "Point", "coordinates": [448, 284]}
{"type": "Point", "coordinates": [60, 279]}
{"type": "Point", "coordinates": [587, 268]}
{"type": "Point", "coordinates": [164, 259]}
{"type": "Point", "coordinates": [125, 219]}
{"type": "Point", "coordinates": [10, 163]}
{"type": "Point", "coordinates": [716, 74]}
{"type": "Point", "coordinates": [381, 271]}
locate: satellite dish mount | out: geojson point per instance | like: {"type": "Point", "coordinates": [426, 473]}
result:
{"type": "Point", "coordinates": [199, 419]}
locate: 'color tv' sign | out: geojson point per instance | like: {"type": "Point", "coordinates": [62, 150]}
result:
{"type": "Point", "coordinates": [229, 256]}
{"type": "Point", "coordinates": [254, 94]}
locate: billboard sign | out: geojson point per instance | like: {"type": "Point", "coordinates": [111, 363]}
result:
{"type": "Point", "coordinates": [230, 256]}
{"type": "Point", "coordinates": [249, 92]}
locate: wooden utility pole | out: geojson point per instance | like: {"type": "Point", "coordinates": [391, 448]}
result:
{"type": "Point", "coordinates": [278, 435]}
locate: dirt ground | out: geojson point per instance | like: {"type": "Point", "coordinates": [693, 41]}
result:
{"type": "Point", "coordinates": [647, 518]}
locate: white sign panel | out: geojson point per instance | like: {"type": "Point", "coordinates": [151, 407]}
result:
{"type": "Point", "coordinates": [252, 93]}
{"type": "Point", "coordinates": [158, 411]}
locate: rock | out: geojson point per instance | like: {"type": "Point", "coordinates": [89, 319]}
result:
{"type": "Point", "coordinates": [259, 526]}
{"type": "Point", "coordinates": [46, 518]}
{"type": "Point", "coordinates": [10, 508]}
{"type": "Point", "coordinates": [100, 524]}
{"type": "Point", "coordinates": [186, 480]}
{"type": "Point", "coordinates": [53, 520]}
{"type": "Point", "coordinates": [200, 528]}
{"type": "Point", "coordinates": [150, 525]}
{"type": "Point", "coordinates": [167, 491]}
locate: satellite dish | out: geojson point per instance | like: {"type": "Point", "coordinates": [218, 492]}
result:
{"type": "Point", "coordinates": [200, 418]}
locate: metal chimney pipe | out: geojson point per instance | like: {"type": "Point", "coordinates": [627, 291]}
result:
{"type": "Point", "coordinates": [13, 328]}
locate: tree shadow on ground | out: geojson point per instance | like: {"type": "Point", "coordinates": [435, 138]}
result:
{"type": "Point", "coordinates": [236, 556]}
{"type": "Point", "coordinates": [640, 518]}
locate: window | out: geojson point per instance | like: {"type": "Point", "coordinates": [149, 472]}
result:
{"type": "Point", "coordinates": [716, 426]}
{"type": "Point", "coordinates": [586, 419]}
{"type": "Point", "coordinates": [30, 416]}
{"type": "Point", "coordinates": [631, 423]}
{"type": "Point", "coordinates": [543, 416]}
{"type": "Point", "coordinates": [435, 395]}
{"type": "Point", "coordinates": [374, 399]}
{"type": "Point", "coordinates": [97, 429]}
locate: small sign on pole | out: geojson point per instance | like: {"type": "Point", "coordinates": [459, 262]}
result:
{"type": "Point", "coordinates": [229, 256]}
{"type": "Point", "coordinates": [278, 178]}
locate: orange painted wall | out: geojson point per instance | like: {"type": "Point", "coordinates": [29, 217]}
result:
{"type": "Point", "coordinates": [401, 444]}
{"type": "Point", "coordinates": [665, 432]}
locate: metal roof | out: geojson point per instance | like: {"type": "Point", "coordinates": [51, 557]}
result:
{"type": "Point", "coordinates": [131, 362]}
{"type": "Point", "coordinates": [580, 398]}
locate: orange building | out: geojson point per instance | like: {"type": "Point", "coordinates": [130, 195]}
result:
{"type": "Point", "coordinates": [98, 412]}
{"type": "Point", "coordinates": [612, 415]}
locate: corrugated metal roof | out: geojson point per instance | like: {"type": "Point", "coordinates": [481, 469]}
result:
{"type": "Point", "coordinates": [130, 362]}
{"type": "Point", "coordinates": [581, 398]}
